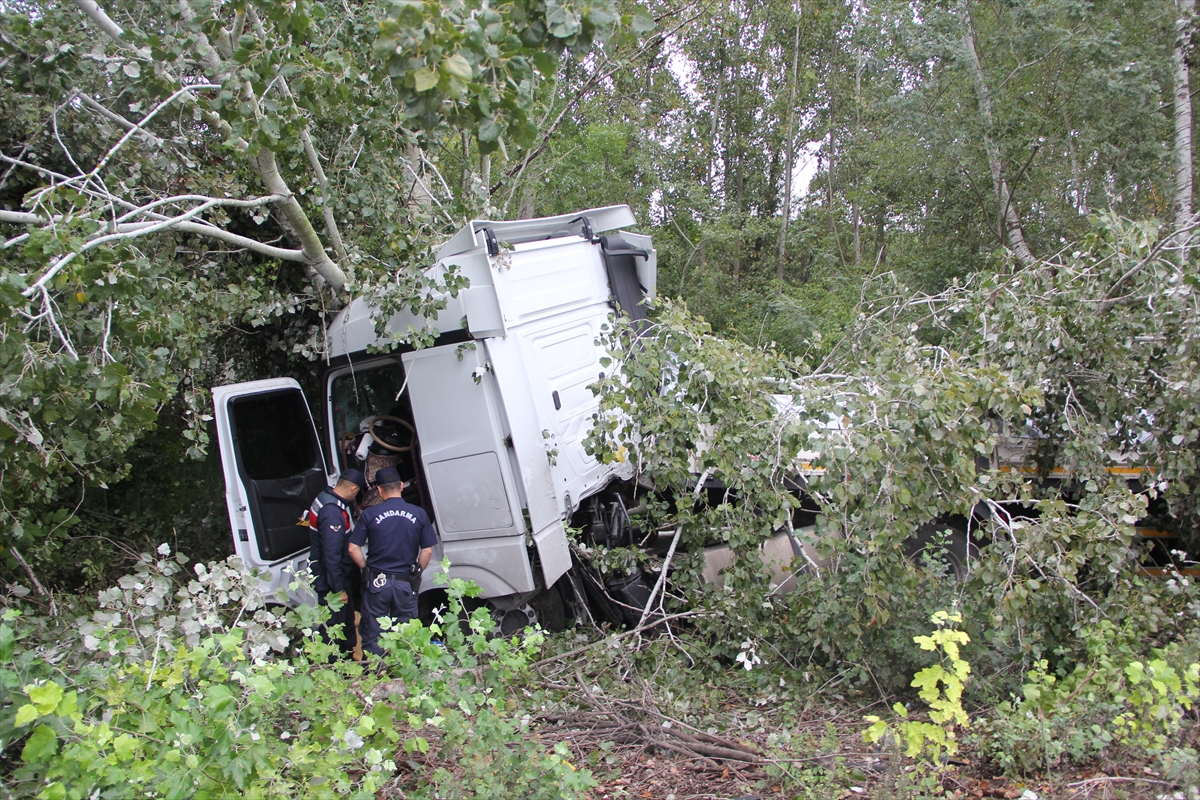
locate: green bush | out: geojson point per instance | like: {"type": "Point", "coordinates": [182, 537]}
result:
{"type": "Point", "coordinates": [199, 689]}
{"type": "Point", "coordinates": [1122, 696]}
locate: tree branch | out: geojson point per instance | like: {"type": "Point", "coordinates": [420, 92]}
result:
{"type": "Point", "coordinates": [109, 114]}
{"type": "Point", "coordinates": [310, 241]}
{"type": "Point", "coordinates": [104, 22]}
{"type": "Point", "coordinates": [21, 218]}
{"type": "Point", "coordinates": [136, 230]}
{"type": "Point", "coordinates": [36, 583]}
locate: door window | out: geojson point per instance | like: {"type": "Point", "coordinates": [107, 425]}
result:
{"type": "Point", "coordinates": [275, 434]}
{"type": "Point", "coordinates": [280, 465]}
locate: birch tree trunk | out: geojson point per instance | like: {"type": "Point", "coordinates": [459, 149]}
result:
{"type": "Point", "coordinates": [1010, 221]}
{"type": "Point", "coordinates": [791, 157]}
{"type": "Point", "coordinates": [1181, 207]}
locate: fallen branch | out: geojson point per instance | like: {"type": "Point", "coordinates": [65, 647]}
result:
{"type": "Point", "coordinates": [33, 578]}
{"type": "Point", "coordinates": [615, 637]}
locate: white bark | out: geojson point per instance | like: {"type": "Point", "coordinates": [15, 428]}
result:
{"type": "Point", "coordinates": [104, 22]}
{"type": "Point", "coordinates": [109, 114]}
{"type": "Point", "coordinates": [129, 231]}
{"type": "Point", "coordinates": [1181, 207]}
{"type": "Point", "coordinates": [791, 155]}
{"type": "Point", "coordinates": [1081, 204]}
{"type": "Point", "coordinates": [268, 170]}
{"type": "Point", "coordinates": [310, 241]}
{"type": "Point", "coordinates": [1010, 221]}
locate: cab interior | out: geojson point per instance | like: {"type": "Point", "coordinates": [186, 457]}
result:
{"type": "Point", "coordinates": [371, 425]}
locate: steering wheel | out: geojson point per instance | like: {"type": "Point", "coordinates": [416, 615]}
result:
{"type": "Point", "coordinates": [379, 437]}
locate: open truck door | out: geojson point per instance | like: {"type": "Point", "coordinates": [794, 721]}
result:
{"type": "Point", "coordinates": [469, 470]}
{"type": "Point", "coordinates": [273, 467]}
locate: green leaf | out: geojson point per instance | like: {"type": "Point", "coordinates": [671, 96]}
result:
{"type": "Point", "coordinates": [561, 21]}
{"type": "Point", "coordinates": [875, 731]}
{"type": "Point", "coordinates": [42, 744]}
{"type": "Point", "coordinates": [425, 79]}
{"type": "Point", "coordinates": [55, 791]}
{"type": "Point", "coordinates": [7, 643]}
{"type": "Point", "coordinates": [45, 697]}
{"type": "Point", "coordinates": [641, 23]}
{"type": "Point", "coordinates": [125, 747]}
{"type": "Point", "coordinates": [456, 66]}
{"type": "Point", "coordinates": [546, 63]}
{"type": "Point", "coordinates": [489, 130]}
{"type": "Point", "coordinates": [25, 715]}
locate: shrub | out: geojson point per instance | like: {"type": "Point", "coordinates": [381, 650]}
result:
{"type": "Point", "coordinates": [201, 690]}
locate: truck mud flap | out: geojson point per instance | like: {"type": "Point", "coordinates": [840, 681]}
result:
{"type": "Point", "coordinates": [632, 592]}
{"type": "Point", "coordinates": [617, 601]}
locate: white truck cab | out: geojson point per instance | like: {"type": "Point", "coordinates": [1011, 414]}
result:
{"type": "Point", "coordinates": [486, 426]}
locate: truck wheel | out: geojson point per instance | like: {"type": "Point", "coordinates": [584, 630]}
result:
{"type": "Point", "coordinates": [946, 541]}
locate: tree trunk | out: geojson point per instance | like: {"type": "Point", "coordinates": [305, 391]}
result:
{"type": "Point", "coordinates": [829, 174]}
{"type": "Point", "coordinates": [466, 168]}
{"type": "Point", "coordinates": [525, 207]}
{"type": "Point", "coordinates": [1181, 207]}
{"type": "Point", "coordinates": [855, 215]}
{"type": "Point", "coordinates": [791, 157]}
{"type": "Point", "coordinates": [1010, 222]}
{"type": "Point", "coordinates": [881, 240]}
{"type": "Point", "coordinates": [739, 185]}
{"type": "Point", "coordinates": [1081, 204]}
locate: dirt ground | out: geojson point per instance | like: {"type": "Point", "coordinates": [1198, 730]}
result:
{"type": "Point", "coordinates": [643, 770]}
{"type": "Point", "coordinates": [750, 752]}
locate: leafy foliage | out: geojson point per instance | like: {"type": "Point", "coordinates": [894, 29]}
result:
{"type": "Point", "coordinates": [201, 690]}
{"type": "Point", "coordinates": [1112, 698]}
{"type": "Point", "coordinates": [941, 687]}
{"type": "Point", "coordinates": [894, 432]}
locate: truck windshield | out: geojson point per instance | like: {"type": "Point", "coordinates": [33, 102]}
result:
{"type": "Point", "coordinates": [364, 393]}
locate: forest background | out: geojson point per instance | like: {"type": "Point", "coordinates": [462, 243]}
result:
{"type": "Point", "coordinates": [959, 213]}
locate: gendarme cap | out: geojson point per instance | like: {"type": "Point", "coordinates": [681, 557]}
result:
{"type": "Point", "coordinates": [355, 477]}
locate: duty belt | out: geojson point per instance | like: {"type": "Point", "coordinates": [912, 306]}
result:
{"type": "Point", "coordinates": [380, 579]}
